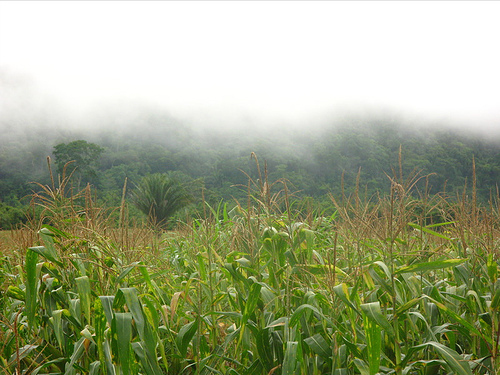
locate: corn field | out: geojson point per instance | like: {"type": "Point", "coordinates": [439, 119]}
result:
{"type": "Point", "coordinates": [403, 283]}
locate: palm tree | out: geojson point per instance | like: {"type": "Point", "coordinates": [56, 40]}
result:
{"type": "Point", "coordinates": [160, 196]}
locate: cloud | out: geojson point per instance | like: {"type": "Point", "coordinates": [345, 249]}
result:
{"type": "Point", "coordinates": [273, 61]}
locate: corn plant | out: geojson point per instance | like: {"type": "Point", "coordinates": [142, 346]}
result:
{"type": "Point", "coordinates": [376, 288]}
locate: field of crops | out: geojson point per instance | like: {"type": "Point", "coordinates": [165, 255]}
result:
{"type": "Point", "coordinates": [397, 284]}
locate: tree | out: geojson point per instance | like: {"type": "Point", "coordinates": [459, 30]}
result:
{"type": "Point", "coordinates": [85, 157]}
{"type": "Point", "coordinates": [160, 196]}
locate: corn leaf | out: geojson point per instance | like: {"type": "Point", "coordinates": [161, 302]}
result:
{"type": "Point", "coordinates": [48, 253]}
{"type": "Point", "coordinates": [428, 266]}
{"type": "Point", "coordinates": [373, 311]}
{"type": "Point", "coordinates": [123, 330]}
{"type": "Point", "coordinates": [373, 343]}
{"type": "Point", "coordinates": [31, 286]}
{"type": "Point", "coordinates": [290, 360]}
{"type": "Point", "coordinates": [430, 231]}
{"type": "Point", "coordinates": [107, 306]}
{"type": "Point", "coordinates": [78, 351]}
{"type": "Point", "coordinates": [342, 292]}
{"type": "Point", "coordinates": [185, 336]}
{"type": "Point", "coordinates": [56, 320]}
{"type": "Point", "coordinates": [319, 345]}
{"type": "Point", "coordinates": [297, 314]}
{"type": "Point", "coordinates": [457, 318]}
{"type": "Point", "coordinates": [83, 287]}
{"type": "Point", "coordinates": [253, 299]}
{"type": "Point", "coordinates": [16, 293]}
{"type": "Point", "coordinates": [457, 364]}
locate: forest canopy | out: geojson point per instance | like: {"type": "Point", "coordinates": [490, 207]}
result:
{"type": "Point", "coordinates": [332, 160]}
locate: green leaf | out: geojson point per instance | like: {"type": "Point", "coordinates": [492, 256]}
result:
{"type": "Point", "coordinates": [108, 358]}
{"type": "Point", "coordinates": [457, 318]}
{"type": "Point", "coordinates": [408, 305]}
{"type": "Point", "coordinates": [78, 262]}
{"type": "Point", "coordinates": [126, 271]}
{"type": "Point", "coordinates": [141, 353]}
{"type": "Point", "coordinates": [107, 306]}
{"type": "Point", "coordinates": [373, 311]}
{"type": "Point", "coordinates": [492, 268]}
{"type": "Point", "coordinates": [83, 287]}
{"type": "Point", "coordinates": [16, 293]}
{"type": "Point", "coordinates": [319, 346]}
{"type": "Point", "coordinates": [123, 324]}
{"type": "Point", "coordinates": [297, 314]}
{"type": "Point", "coordinates": [429, 231]}
{"type": "Point", "coordinates": [31, 286]}
{"type": "Point", "coordinates": [149, 340]}
{"type": "Point", "coordinates": [457, 364]}
{"type": "Point", "coordinates": [94, 368]}
{"type": "Point", "coordinates": [253, 299]}
{"type": "Point", "coordinates": [135, 307]}
{"type": "Point", "coordinates": [495, 301]}
{"type": "Point", "coordinates": [342, 292]}
{"type": "Point", "coordinates": [318, 269]}
{"type": "Point", "coordinates": [373, 343]}
{"type": "Point", "coordinates": [22, 353]}
{"type": "Point", "coordinates": [49, 364]}
{"type": "Point", "coordinates": [78, 351]}
{"type": "Point", "coordinates": [428, 266]}
{"type": "Point", "coordinates": [185, 336]}
{"type": "Point", "coordinates": [265, 352]}
{"type": "Point", "coordinates": [48, 253]}
{"type": "Point", "coordinates": [290, 360]}
{"type": "Point", "coordinates": [151, 311]}
{"type": "Point", "coordinates": [99, 324]}
{"type": "Point", "coordinates": [363, 368]}
{"type": "Point", "coordinates": [56, 320]}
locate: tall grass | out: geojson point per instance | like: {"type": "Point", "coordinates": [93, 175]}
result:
{"type": "Point", "coordinates": [401, 283]}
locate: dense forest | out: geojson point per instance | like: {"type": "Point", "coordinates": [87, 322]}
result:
{"type": "Point", "coordinates": [315, 161]}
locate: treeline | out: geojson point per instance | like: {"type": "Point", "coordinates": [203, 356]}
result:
{"type": "Point", "coordinates": [314, 163]}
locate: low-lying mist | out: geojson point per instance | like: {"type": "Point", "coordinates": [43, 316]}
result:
{"type": "Point", "coordinates": [318, 154]}
{"type": "Point", "coordinates": [28, 112]}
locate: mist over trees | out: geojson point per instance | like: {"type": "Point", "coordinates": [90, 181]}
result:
{"type": "Point", "coordinates": [315, 161]}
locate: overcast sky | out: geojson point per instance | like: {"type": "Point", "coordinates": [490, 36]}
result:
{"type": "Point", "coordinates": [273, 60]}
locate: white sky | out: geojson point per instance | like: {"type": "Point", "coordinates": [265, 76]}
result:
{"type": "Point", "coordinates": [270, 59]}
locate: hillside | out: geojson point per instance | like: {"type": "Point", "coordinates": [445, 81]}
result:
{"type": "Point", "coordinates": [315, 160]}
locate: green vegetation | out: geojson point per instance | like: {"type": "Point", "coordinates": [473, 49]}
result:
{"type": "Point", "coordinates": [403, 283]}
{"type": "Point", "coordinates": [314, 163]}
{"type": "Point", "coordinates": [11, 216]}
{"type": "Point", "coordinates": [314, 262]}
{"type": "Point", "coordinates": [159, 197]}
{"type": "Point", "coordinates": [84, 157]}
